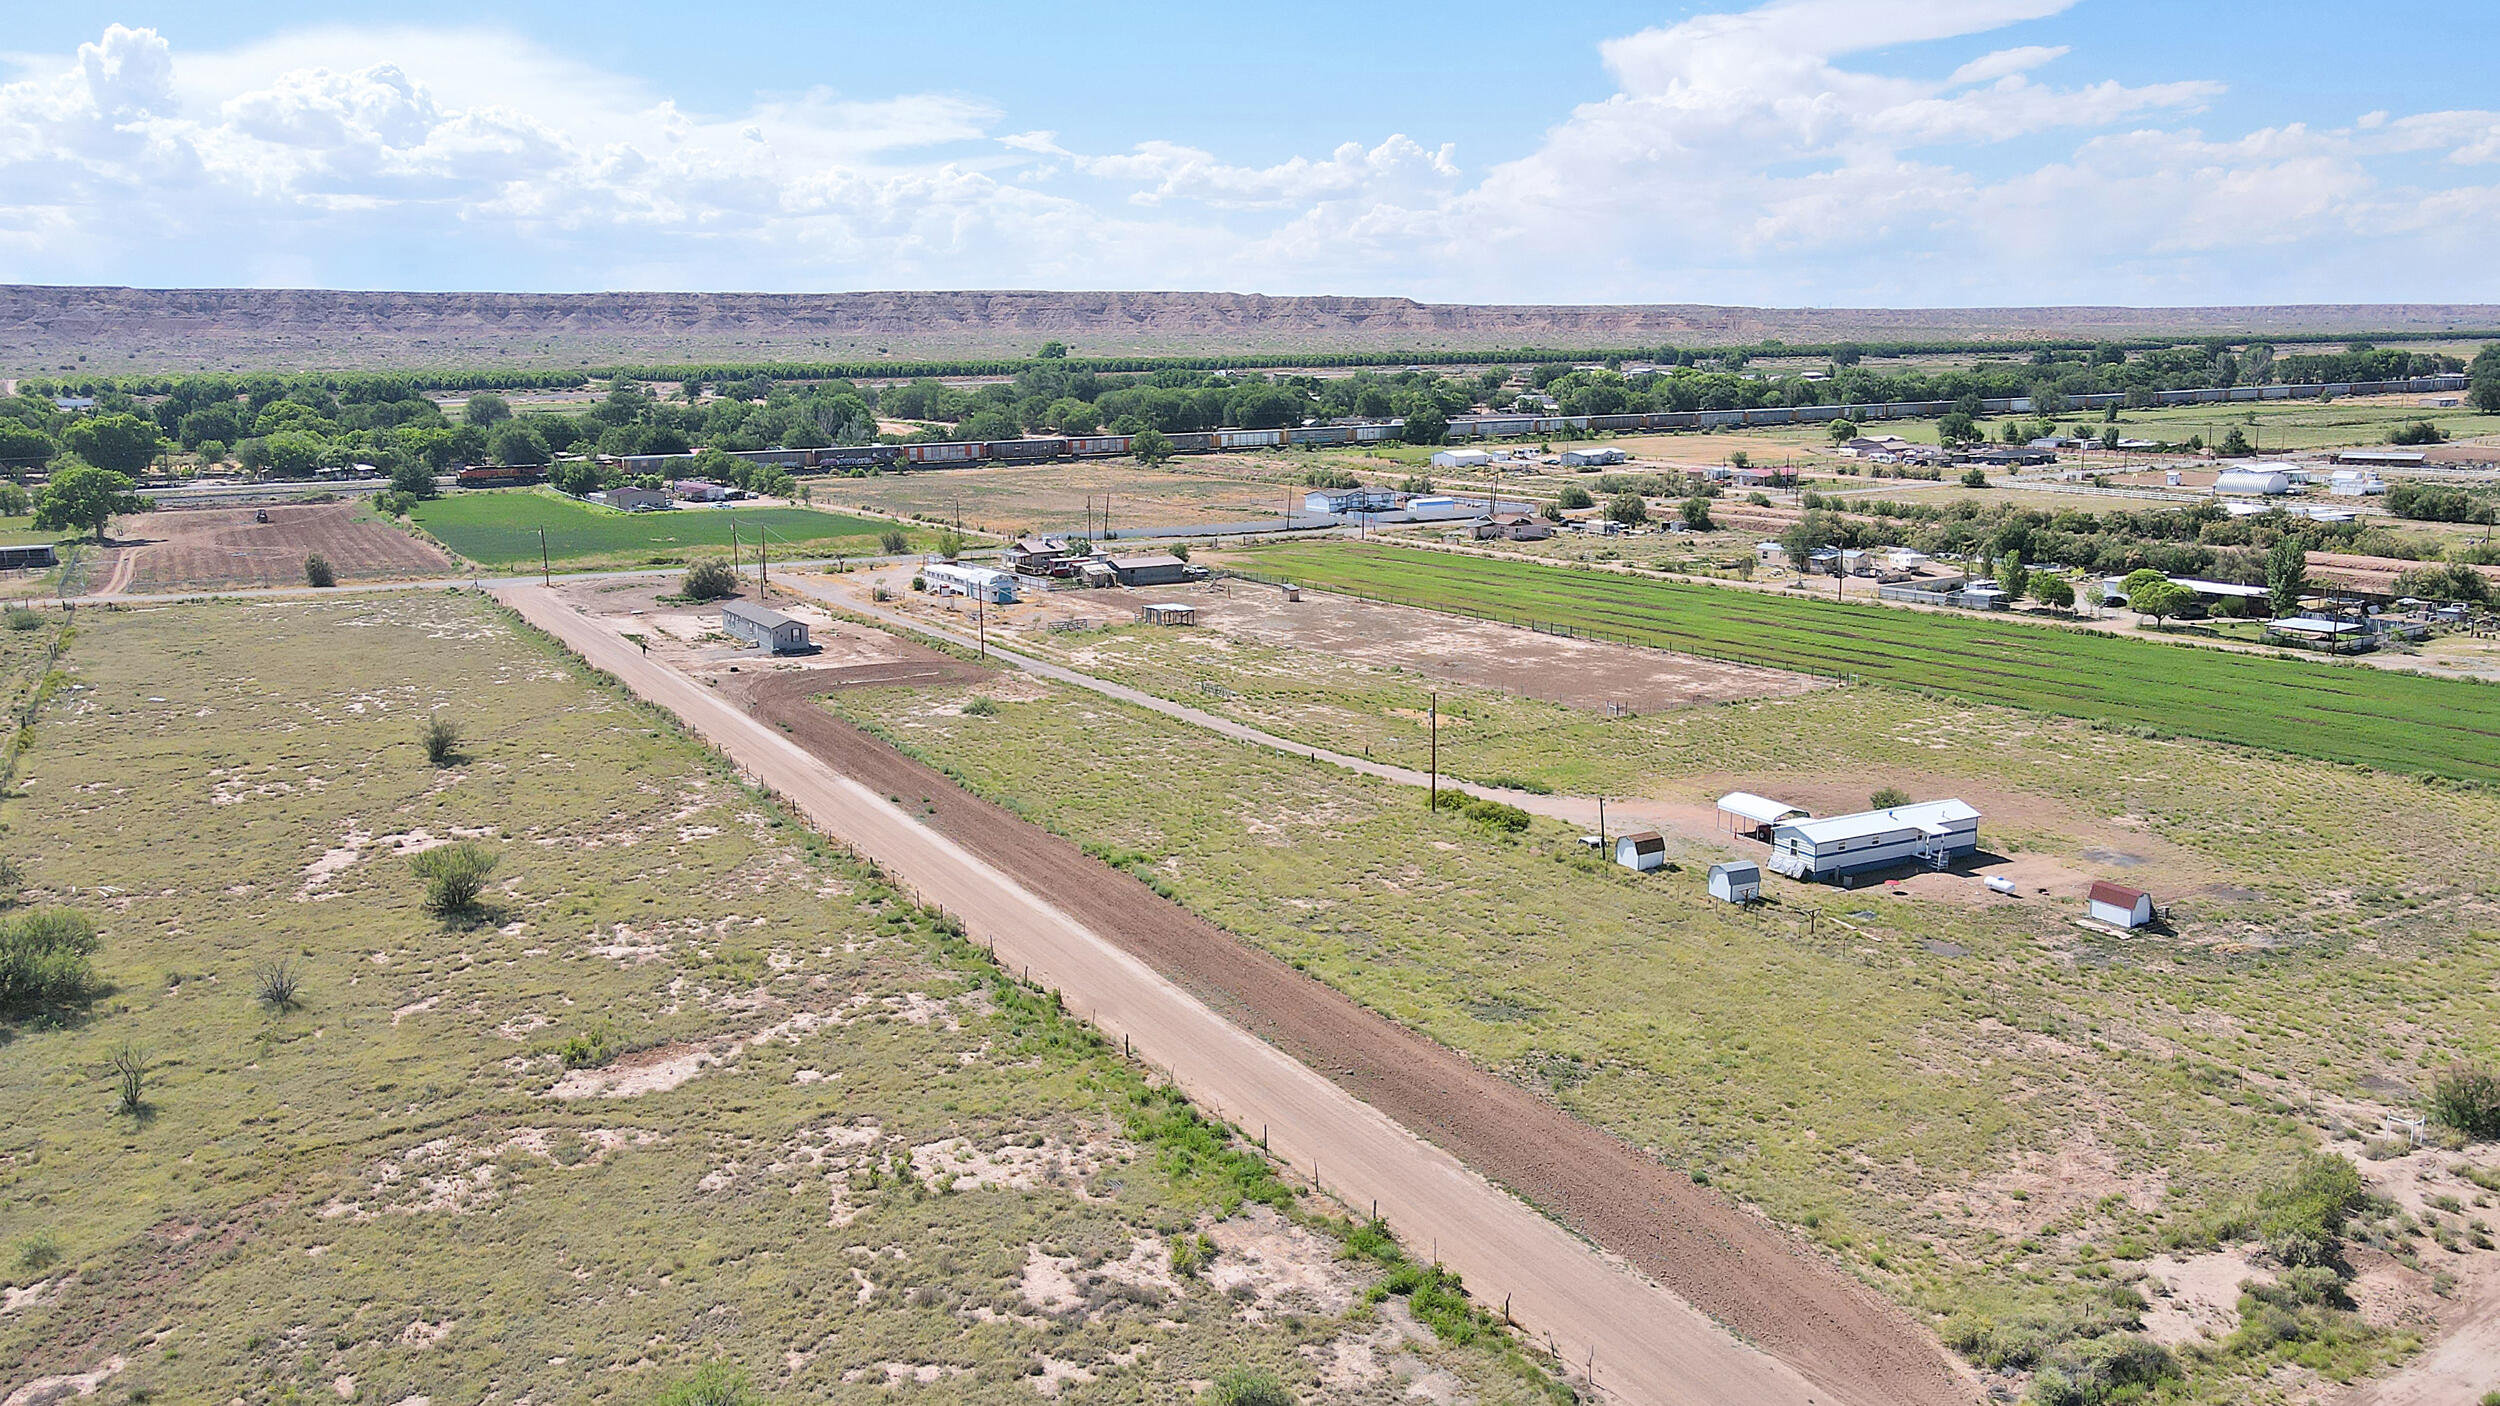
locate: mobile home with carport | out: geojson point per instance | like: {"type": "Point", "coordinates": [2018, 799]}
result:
{"type": "Point", "coordinates": [1838, 847]}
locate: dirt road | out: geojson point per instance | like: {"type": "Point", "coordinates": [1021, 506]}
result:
{"type": "Point", "coordinates": [1648, 1344]}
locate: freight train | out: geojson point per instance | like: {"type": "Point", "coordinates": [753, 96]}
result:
{"type": "Point", "coordinates": [952, 454]}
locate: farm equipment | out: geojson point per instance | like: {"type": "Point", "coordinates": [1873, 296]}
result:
{"type": "Point", "coordinates": [261, 516]}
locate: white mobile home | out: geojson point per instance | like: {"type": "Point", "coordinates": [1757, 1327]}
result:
{"type": "Point", "coordinates": [1931, 833]}
{"type": "Point", "coordinates": [971, 582]}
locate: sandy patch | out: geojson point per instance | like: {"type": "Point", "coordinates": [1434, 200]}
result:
{"type": "Point", "coordinates": [43, 1390]}
{"type": "Point", "coordinates": [2196, 1297]}
{"type": "Point", "coordinates": [1269, 1263]}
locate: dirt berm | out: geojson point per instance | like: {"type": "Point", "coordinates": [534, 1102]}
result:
{"type": "Point", "coordinates": [1726, 1261]}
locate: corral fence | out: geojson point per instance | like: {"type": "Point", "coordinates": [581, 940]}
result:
{"type": "Point", "coordinates": [1561, 629]}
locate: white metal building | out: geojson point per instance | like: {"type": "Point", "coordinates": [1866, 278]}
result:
{"type": "Point", "coordinates": [1585, 458]}
{"type": "Point", "coordinates": [1461, 459]}
{"type": "Point", "coordinates": [2118, 905]}
{"type": "Point", "coordinates": [2255, 481]}
{"type": "Point", "coordinates": [970, 582]}
{"type": "Point", "coordinates": [1739, 881]}
{"type": "Point", "coordinates": [763, 627]}
{"type": "Point", "coordinates": [1642, 850]}
{"type": "Point", "coordinates": [1930, 833]}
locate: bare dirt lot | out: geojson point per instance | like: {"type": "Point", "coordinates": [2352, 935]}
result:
{"type": "Point", "coordinates": [1066, 498]}
{"type": "Point", "coordinates": [202, 549]}
{"type": "Point", "coordinates": [1579, 673]}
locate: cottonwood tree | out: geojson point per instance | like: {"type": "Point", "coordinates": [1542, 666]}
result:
{"type": "Point", "coordinates": [86, 498]}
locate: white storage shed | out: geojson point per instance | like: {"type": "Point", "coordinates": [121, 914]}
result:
{"type": "Point", "coordinates": [1739, 881]}
{"type": "Point", "coordinates": [971, 582]}
{"type": "Point", "coordinates": [1642, 850]}
{"type": "Point", "coordinates": [2118, 905]}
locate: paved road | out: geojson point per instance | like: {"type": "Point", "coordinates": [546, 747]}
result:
{"type": "Point", "coordinates": [1647, 1345]}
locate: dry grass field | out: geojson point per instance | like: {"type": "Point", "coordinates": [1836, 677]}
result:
{"type": "Point", "coordinates": [682, 1089]}
{"type": "Point", "coordinates": [2059, 1143]}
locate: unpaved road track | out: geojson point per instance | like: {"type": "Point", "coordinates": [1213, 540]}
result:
{"type": "Point", "coordinates": [1649, 1345]}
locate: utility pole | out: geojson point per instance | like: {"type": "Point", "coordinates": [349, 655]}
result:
{"type": "Point", "coordinates": [981, 619]}
{"type": "Point", "coordinates": [1601, 823]}
{"type": "Point", "coordinates": [545, 570]}
{"type": "Point", "coordinates": [733, 546]}
{"type": "Point", "coordinates": [1433, 797]}
{"type": "Point", "coordinates": [763, 564]}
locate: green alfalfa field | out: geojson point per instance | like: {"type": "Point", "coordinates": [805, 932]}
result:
{"type": "Point", "coordinates": [2350, 713]}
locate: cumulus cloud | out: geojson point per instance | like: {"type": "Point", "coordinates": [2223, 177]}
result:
{"type": "Point", "coordinates": [1792, 152]}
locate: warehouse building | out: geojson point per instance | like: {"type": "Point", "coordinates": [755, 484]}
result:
{"type": "Point", "coordinates": [763, 627]}
{"type": "Point", "coordinates": [1931, 833]}
{"type": "Point", "coordinates": [2255, 481]}
{"type": "Point", "coordinates": [1461, 459]}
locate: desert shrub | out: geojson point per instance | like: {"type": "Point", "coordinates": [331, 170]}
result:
{"type": "Point", "coordinates": [709, 580]}
{"type": "Point", "coordinates": [130, 1078]}
{"type": "Point", "coordinates": [2466, 1096]}
{"type": "Point", "coordinates": [21, 618]}
{"type": "Point", "coordinates": [893, 542]}
{"type": "Point", "coordinates": [440, 737]}
{"type": "Point", "coordinates": [920, 583]}
{"type": "Point", "coordinates": [1493, 815]}
{"type": "Point", "coordinates": [1885, 798]}
{"type": "Point", "coordinates": [279, 985]}
{"type": "Point", "coordinates": [38, 1252]}
{"type": "Point", "coordinates": [1506, 782]}
{"type": "Point", "coordinates": [590, 1049]}
{"type": "Point", "coordinates": [1192, 1253]}
{"type": "Point", "coordinates": [1247, 1387]}
{"type": "Point", "coordinates": [454, 876]}
{"type": "Point", "coordinates": [46, 955]}
{"type": "Point", "coordinates": [717, 1384]}
{"type": "Point", "coordinates": [2114, 1368]}
{"type": "Point", "coordinates": [980, 708]}
{"type": "Point", "coordinates": [319, 572]}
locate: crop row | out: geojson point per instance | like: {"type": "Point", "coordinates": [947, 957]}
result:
{"type": "Point", "coordinates": [2393, 720]}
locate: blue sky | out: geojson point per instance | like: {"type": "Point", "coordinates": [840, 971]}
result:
{"type": "Point", "coordinates": [1816, 152]}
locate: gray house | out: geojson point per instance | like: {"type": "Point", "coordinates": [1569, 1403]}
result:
{"type": "Point", "coordinates": [764, 628]}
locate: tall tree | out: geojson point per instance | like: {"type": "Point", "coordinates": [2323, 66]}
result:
{"type": "Point", "coordinates": [86, 498]}
{"type": "Point", "coordinates": [125, 444]}
{"type": "Point", "coordinates": [2287, 575]}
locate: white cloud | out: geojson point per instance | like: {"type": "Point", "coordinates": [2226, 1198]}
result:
{"type": "Point", "coordinates": [1786, 153]}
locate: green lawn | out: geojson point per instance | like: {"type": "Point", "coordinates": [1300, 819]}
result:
{"type": "Point", "coordinates": [499, 528]}
{"type": "Point", "coordinates": [2373, 717]}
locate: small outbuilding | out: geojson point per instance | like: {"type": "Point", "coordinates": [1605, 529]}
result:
{"type": "Point", "coordinates": [763, 627]}
{"type": "Point", "coordinates": [1461, 459]}
{"type": "Point", "coordinates": [1168, 613]}
{"type": "Point", "coordinates": [1641, 851]}
{"type": "Point", "coordinates": [2118, 905]}
{"type": "Point", "coordinates": [1739, 881]}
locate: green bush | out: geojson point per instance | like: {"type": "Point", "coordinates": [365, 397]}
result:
{"type": "Point", "coordinates": [709, 580]}
{"type": "Point", "coordinates": [1493, 815]}
{"type": "Point", "coordinates": [590, 1049]}
{"type": "Point", "coordinates": [319, 572]}
{"type": "Point", "coordinates": [440, 737]}
{"type": "Point", "coordinates": [1887, 797]}
{"type": "Point", "coordinates": [1246, 1387]}
{"type": "Point", "coordinates": [718, 1384]}
{"type": "Point", "coordinates": [2466, 1096]}
{"type": "Point", "coordinates": [2114, 1368]}
{"type": "Point", "coordinates": [46, 956]}
{"type": "Point", "coordinates": [454, 876]}
{"type": "Point", "coordinates": [21, 618]}
{"type": "Point", "coordinates": [893, 542]}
